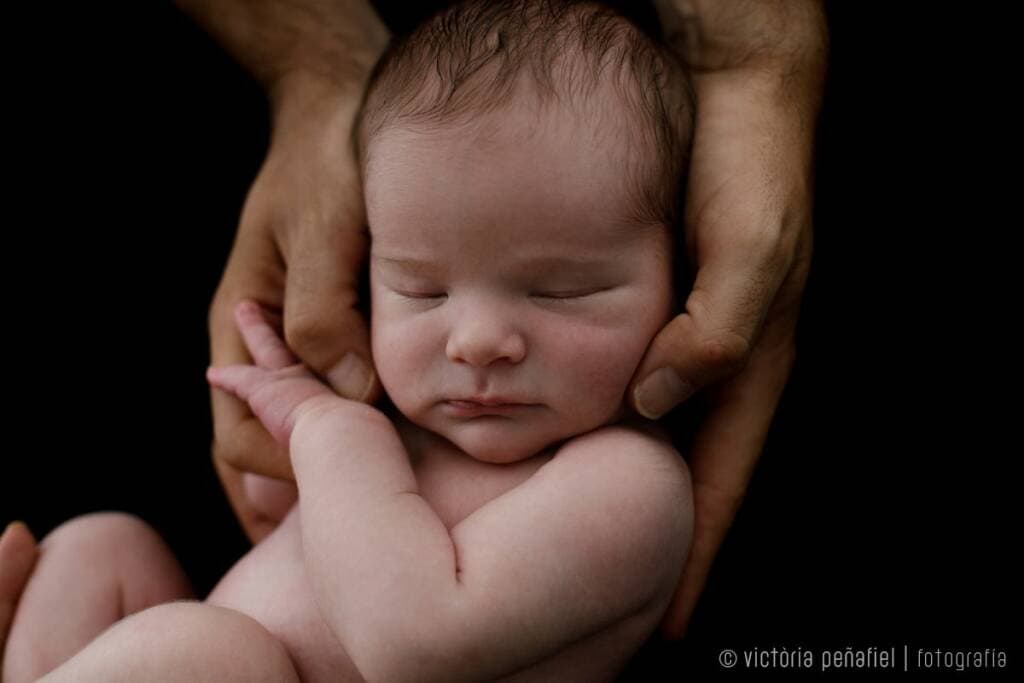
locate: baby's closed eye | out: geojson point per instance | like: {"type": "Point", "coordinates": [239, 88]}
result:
{"type": "Point", "coordinates": [564, 294]}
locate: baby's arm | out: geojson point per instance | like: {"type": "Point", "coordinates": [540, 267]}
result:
{"type": "Point", "coordinates": [596, 535]}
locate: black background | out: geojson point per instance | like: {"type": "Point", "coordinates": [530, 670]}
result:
{"type": "Point", "coordinates": [884, 511]}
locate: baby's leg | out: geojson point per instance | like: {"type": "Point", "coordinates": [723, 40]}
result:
{"type": "Point", "coordinates": [91, 572]}
{"type": "Point", "coordinates": [181, 641]}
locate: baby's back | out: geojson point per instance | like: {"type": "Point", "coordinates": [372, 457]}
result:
{"type": "Point", "coordinates": [270, 583]}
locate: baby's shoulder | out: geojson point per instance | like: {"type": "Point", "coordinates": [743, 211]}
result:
{"type": "Point", "coordinates": [636, 452]}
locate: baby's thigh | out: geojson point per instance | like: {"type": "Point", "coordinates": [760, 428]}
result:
{"type": "Point", "coordinates": [182, 641]}
{"type": "Point", "coordinates": [91, 571]}
{"type": "Point", "coordinates": [114, 549]}
{"type": "Point", "coordinates": [271, 586]}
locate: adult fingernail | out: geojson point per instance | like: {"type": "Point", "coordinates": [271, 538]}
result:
{"type": "Point", "coordinates": [351, 377]}
{"type": "Point", "coordinates": [14, 524]}
{"type": "Point", "coordinates": [662, 391]}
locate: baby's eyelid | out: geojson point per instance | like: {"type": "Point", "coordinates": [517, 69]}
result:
{"type": "Point", "coordinates": [568, 294]}
{"type": "Point", "coordinates": [422, 295]}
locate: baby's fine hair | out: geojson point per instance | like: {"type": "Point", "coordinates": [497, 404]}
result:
{"type": "Point", "coordinates": [468, 59]}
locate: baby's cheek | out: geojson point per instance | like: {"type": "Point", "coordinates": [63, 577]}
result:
{"type": "Point", "coordinates": [601, 361]}
{"type": "Point", "coordinates": [401, 354]}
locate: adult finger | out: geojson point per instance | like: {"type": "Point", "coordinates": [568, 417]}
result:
{"type": "Point", "coordinates": [323, 323]}
{"type": "Point", "coordinates": [265, 345]}
{"type": "Point", "coordinates": [712, 338]}
{"type": "Point", "coordinates": [18, 554]}
{"type": "Point", "coordinates": [254, 522]}
{"type": "Point", "coordinates": [239, 437]}
{"type": "Point", "coordinates": [723, 457]}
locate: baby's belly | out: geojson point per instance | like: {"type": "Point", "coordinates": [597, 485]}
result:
{"type": "Point", "coordinates": [269, 584]}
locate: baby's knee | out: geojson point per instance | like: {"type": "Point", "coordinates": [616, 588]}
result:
{"type": "Point", "coordinates": [100, 532]}
{"type": "Point", "coordinates": [123, 546]}
{"type": "Point", "coordinates": [102, 538]}
{"type": "Point", "coordinates": [188, 641]}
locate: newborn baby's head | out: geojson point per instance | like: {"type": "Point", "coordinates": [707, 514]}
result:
{"type": "Point", "coordinates": [520, 162]}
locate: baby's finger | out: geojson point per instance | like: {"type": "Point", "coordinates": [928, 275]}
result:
{"type": "Point", "coordinates": [240, 380]}
{"type": "Point", "coordinates": [267, 348]}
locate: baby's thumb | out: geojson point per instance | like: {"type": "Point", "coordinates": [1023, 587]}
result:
{"type": "Point", "coordinates": [323, 323]}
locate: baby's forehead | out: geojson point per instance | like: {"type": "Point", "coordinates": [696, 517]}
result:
{"type": "Point", "coordinates": [529, 103]}
{"type": "Point", "coordinates": [606, 132]}
{"type": "Point", "coordinates": [541, 177]}
{"type": "Point", "coordinates": [518, 190]}
{"type": "Point", "coordinates": [549, 156]}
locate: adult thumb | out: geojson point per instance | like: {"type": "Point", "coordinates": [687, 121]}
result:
{"type": "Point", "coordinates": [708, 342]}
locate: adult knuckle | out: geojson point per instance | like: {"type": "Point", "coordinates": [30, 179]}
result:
{"type": "Point", "coordinates": [228, 452]}
{"type": "Point", "coordinates": [725, 350]}
{"type": "Point", "coordinates": [218, 314]}
{"type": "Point", "coordinates": [304, 331]}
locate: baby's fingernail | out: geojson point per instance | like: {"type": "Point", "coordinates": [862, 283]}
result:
{"type": "Point", "coordinates": [351, 377]}
{"type": "Point", "coordinates": [660, 392]}
{"type": "Point", "coordinates": [211, 374]}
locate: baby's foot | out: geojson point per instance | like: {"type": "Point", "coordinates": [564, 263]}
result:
{"type": "Point", "coordinates": [18, 554]}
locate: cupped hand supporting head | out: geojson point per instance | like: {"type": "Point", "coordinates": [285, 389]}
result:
{"type": "Point", "coordinates": [301, 242]}
{"type": "Point", "coordinates": [758, 74]}
{"type": "Point", "coordinates": [300, 248]}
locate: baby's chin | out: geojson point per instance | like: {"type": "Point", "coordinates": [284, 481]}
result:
{"type": "Point", "coordinates": [493, 439]}
{"type": "Point", "coordinates": [503, 440]}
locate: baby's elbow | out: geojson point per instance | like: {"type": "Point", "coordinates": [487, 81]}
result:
{"type": "Point", "coordinates": [670, 522]}
{"type": "Point", "coordinates": [404, 649]}
{"type": "Point", "coordinates": [399, 660]}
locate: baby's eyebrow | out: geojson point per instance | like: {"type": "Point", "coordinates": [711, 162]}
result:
{"type": "Point", "coordinates": [551, 265]}
{"type": "Point", "coordinates": [408, 264]}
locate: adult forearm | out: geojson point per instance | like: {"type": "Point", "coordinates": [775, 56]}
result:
{"type": "Point", "coordinates": [758, 69]}
{"type": "Point", "coordinates": [379, 559]}
{"type": "Point", "coordinates": [772, 36]}
{"type": "Point", "coordinates": [334, 41]}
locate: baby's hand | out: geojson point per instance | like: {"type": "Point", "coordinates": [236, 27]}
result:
{"type": "Point", "coordinates": [277, 384]}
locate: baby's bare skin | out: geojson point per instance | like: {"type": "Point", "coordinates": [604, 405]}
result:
{"type": "Point", "coordinates": [506, 523]}
{"type": "Point", "coordinates": [411, 557]}
{"type": "Point", "coordinates": [455, 486]}
{"type": "Point", "coordinates": [406, 558]}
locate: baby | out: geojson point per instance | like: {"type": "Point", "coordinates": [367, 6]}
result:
{"type": "Point", "coordinates": [503, 518]}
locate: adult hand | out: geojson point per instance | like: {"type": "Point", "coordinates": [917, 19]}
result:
{"type": "Point", "coordinates": [300, 247]}
{"type": "Point", "coordinates": [758, 73]}
{"type": "Point", "coordinates": [301, 242]}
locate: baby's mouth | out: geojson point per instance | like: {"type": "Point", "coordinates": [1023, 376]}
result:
{"type": "Point", "coordinates": [474, 407]}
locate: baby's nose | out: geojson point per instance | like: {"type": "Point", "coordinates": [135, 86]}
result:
{"type": "Point", "coordinates": [480, 338]}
